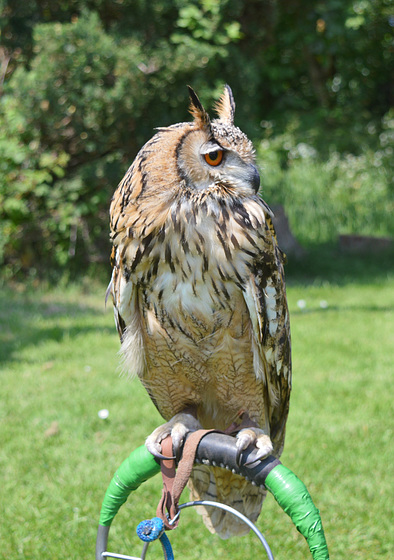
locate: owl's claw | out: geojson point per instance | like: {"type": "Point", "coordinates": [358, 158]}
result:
{"type": "Point", "coordinates": [177, 444]}
{"type": "Point", "coordinates": [258, 456]}
{"type": "Point", "coordinates": [253, 436]}
{"type": "Point", "coordinates": [238, 456]}
{"type": "Point", "coordinates": [177, 427]}
{"type": "Point", "coordinates": [155, 450]}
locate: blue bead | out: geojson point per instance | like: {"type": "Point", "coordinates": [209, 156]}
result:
{"type": "Point", "coordinates": [150, 529]}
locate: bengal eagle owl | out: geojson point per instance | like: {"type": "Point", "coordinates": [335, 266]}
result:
{"type": "Point", "coordinates": [199, 296]}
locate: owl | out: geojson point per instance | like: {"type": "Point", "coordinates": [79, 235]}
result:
{"type": "Point", "coordinates": [199, 297]}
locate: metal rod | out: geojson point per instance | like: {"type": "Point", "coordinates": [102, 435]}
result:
{"type": "Point", "coordinates": [237, 514]}
{"type": "Point", "coordinates": [121, 556]}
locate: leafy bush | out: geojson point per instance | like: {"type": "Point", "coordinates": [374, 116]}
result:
{"type": "Point", "coordinates": [70, 125]}
{"type": "Point", "coordinates": [84, 83]}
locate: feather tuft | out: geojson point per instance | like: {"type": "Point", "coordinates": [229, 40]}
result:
{"type": "Point", "coordinates": [225, 107]}
{"type": "Point", "coordinates": [201, 117]}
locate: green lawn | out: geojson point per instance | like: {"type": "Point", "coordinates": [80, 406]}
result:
{"type": "Point", "coordinates": [59, 367]}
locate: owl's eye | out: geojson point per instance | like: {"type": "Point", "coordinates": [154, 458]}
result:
{"type": "Point", "coordinates": [214, 158]}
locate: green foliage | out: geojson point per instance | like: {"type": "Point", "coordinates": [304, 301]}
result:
{"type": "Point", "coordinates": [84, 83]}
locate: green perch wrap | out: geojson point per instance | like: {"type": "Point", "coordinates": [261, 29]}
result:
{"type": "Point", "coordinates": [293, 497]}
{"type": "Point", "coordinates": [136, 469]}
{"type": "Point", "coordinates": [288, 490]}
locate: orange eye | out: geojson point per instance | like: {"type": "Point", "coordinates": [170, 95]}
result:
{"type": "Point", "coordinates": [214, 158]}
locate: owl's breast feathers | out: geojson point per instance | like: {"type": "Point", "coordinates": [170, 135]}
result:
{"type": "Point", "coordinates": [200, 304]}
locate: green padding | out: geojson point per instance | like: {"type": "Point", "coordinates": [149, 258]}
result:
{"type": "Point", "coordinates": [295, 500]}
{"type": "Point", "coordinates": [138, 467]}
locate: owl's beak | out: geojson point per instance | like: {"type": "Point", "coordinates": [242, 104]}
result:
{"type": "Point", "coordinates": [254, 178]}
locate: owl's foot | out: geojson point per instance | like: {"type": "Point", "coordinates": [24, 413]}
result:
{"type": "Point", "coordinates": [256, 437]}
{"type": "Point", "coordinates": [177, 427]}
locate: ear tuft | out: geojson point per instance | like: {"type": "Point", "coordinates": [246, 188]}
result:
{"type": "Point", "coordinates": [200, 115]}
{"type": "Point", "coordinates": [225, 107]}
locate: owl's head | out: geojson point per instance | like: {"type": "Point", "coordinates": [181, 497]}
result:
{"type": "Point", "coordinates": [195, 161]}
{"type": "Point", "coordinates": [215, 152]}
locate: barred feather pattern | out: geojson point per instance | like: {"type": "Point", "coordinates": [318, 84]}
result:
{"type": "Point", "coordinates": [199, 295]}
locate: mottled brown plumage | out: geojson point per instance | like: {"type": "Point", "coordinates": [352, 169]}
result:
{"type": "Point", "coordinates": [199, 295]}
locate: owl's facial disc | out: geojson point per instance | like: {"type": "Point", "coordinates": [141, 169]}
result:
{"type": "Point", "coordinates": [205, 163]}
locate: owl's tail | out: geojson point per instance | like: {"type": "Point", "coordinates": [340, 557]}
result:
{"type": "Point", "coordinates": [219, 485]}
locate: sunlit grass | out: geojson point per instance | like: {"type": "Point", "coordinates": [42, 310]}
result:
{"type": "Point", "coordinates": [59, 367]}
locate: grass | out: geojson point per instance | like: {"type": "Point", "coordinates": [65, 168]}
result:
{"type": "Point", "coordinates": [58, 367]}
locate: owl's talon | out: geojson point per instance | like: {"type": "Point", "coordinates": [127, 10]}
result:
{"type": "Point", "coordinates": [264, 446]}
{"type": "Point", "coordinates": [238, 456]}
{"type": "Point", "coordinates": [177, 444]}
{"type": "Point", "coordinates": [162, 457]}
{"type": "Point", "coordinates": [258, 456]}
{"type": "Point", "coordinates": [177, 428]}
{"type": "Point", "coordinates": [178, 453]}
{"type": "Point", "coordinates": [256, 437]}
{"type": "Point", "coordinates": [155, 450]}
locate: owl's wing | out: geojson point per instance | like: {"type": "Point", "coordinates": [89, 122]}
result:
{"type": "Point", "coordinates": [116, 289]}
{"type": "Point", "coordinates": [119, 288]}
{"type": "Point", "coordinates": [265, 297]}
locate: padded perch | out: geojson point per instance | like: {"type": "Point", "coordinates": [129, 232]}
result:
{"type": "Point", "coordinates": [219, 449]}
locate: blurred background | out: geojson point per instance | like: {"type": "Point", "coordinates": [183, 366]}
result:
{"type": "Point", "coordinates": [83, 83]}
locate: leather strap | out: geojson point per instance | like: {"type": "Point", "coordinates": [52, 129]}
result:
{"type": "Point", "coordinates": [174, 481]}
{"type": "Point", "coordinates": [168, 472]}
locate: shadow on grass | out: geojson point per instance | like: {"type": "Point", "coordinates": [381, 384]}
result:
{"type": "Point", "coordinates": [328, 264]}
{"type": "Point", "coordinates": [25, 320]}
